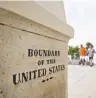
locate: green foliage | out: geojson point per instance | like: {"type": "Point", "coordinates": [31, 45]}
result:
{"type": "Point", "coordinates": [73, 51]}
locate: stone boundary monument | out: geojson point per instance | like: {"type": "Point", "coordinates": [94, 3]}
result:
{"type": "Point", "coordinates": [33, 49]}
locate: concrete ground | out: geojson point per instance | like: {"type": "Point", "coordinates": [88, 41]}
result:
{"type": "Point", "coordinates": [82, 81]}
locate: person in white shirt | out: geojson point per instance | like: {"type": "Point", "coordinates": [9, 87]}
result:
{"type": "Point", "coordinates": [91, 52]}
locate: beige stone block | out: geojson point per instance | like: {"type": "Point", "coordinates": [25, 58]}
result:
{"type": "Point", "coordinates": [42, 73]}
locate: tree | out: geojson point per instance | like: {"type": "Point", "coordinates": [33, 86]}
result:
{"type": "Point", "coordinates": [77, 52]}
{"type": "Point", "coordinates": [73, 51]}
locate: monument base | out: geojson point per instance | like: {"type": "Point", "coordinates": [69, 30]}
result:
{"type": "Point", "coordinates": [33, 59]}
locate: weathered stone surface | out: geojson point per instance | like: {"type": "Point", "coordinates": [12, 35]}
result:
{"type": "Point", "coordinates": [42, 73]}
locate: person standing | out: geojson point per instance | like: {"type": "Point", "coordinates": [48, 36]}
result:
{"type": "Point", "coordinates": [82, 53]}
{"type": "Point", "coordinates": [90, 53]}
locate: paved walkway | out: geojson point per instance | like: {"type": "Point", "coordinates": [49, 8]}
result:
{"type": "Point", "coordinates": [82, 81]}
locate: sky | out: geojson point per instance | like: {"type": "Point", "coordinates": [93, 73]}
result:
{"type": "Point", "coordinates": [81, 15]}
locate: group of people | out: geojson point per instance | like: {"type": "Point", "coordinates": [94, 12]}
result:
{"type": "Point", "coordinates": [83, 52]}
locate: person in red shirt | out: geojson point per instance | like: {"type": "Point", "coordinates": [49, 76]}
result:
{"type": "Point", "coordinates": [82, 53]}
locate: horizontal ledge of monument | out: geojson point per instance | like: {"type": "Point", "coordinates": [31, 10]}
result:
{"type": "Point", "coordinates": [39, 15]}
